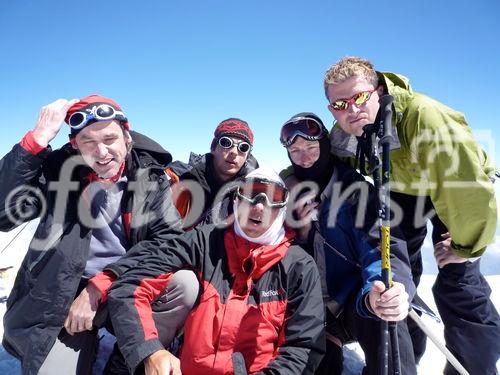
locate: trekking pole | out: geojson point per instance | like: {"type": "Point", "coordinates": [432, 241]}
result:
{"type": "Point", "coordinates": [449, 355]}
{"type": "Point", "coordinates": [381, 180]}
{"type": "Point", "coordinates": [15, 237]}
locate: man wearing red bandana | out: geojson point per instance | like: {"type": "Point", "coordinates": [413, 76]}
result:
{"type": "Point", "coordinates": [101, 196]}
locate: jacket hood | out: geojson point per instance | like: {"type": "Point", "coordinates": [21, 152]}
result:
{"type": "Point", "coordinates": [344, 144]}
{"type": "Point", "coordinates": [145, 144]}
{"type": "Point", "coordinates": [399, 87]}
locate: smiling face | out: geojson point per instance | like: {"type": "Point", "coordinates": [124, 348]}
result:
{"type": "Point", "coordinates": [304, 153]}
{"type": "Point", "coordinates": [228, 161]}
{"type": "Point", "coordinates": [255, 219]}
{"type": "Point", "coordinates": [104, 147]}
{"type": "Point", "coordinates": [352, 119]}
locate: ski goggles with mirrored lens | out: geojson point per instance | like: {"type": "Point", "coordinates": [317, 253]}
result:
{"type": "Point", "coordinates": [226, 142]}
{"type": "Point", "coordinates": [359, 99]}
{"type": "Point", "coordinates": [305, 127]}
{"type": "Point", "coordinates": [101, 112]}
{"type": "Point", "coordinates": [271, 193]}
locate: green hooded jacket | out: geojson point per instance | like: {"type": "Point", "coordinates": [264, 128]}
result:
{"type": "Point", "coordinates": [434, 154]}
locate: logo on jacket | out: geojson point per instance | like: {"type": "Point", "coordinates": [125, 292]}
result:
{"type": "Point", "coordinates": [271, 293]}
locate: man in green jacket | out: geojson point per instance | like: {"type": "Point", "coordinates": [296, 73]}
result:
{"type": "Point", "coordinates": [439, 172]}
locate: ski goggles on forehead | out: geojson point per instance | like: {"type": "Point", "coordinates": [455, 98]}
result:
{"type": "Point", "coordinates": [359, 99]}
{"type": "Point", "coordinates": [226, 142]}
{"type": "Point", "coordinates": [271, 193]}
{"type": "Point", "coordinates": [305, 127]}
{"type": "Point", "coordinates": [101, 112]}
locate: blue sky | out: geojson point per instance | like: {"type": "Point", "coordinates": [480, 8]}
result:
{"type": "Point", "coordinates": [180, 67]}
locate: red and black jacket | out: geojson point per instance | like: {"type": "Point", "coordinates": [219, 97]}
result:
{"type": "Point", "coordinates": [262, 301]}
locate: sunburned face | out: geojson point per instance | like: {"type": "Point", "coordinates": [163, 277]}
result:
{"type": "Point", "coordinates": [104, 146]}
{"type": "Point", "coordinates": [352, 119]}
{"type": "Point", "coordinates": [304, 153]}
{"type": "Point", "coordinates": [255, 219]}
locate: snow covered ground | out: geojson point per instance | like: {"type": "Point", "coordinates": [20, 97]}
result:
{"type": "Point", "coordinates": [432, 362]}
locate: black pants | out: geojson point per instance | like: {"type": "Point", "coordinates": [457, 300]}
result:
{"type": "Point", "coordinates": [471, 322]}
{"type": "Point", "coordinates": [349, 326]}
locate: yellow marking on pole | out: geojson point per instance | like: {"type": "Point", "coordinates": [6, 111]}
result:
{"type": "Point", "coordinates": [385, 245]}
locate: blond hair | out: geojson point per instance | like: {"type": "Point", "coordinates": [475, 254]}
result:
{"type": "Point", "coordinates": [348, 67]}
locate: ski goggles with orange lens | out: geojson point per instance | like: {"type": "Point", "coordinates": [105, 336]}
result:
{"type": "Point", "coordinates": [359, 99]}
{"type": "Point", "coordinates": [271, 193]}
{"type": "Point", "coordinates": [226, 142]}
{"type": "Point", "coordinates": [101, 112]}
{"type": "Point", "coordinates": [305, 127]}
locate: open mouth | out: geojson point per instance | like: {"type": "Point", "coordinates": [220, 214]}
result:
{"type": "Point", "coordinates": [255, 221]}
{"type": "Point", "coordinates": [104, 162]}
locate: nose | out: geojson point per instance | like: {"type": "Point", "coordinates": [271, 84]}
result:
{"type": "Point", "coordinates": [304, 158]}
{"type": "Point", "coordinates": [257, 208]}
{"type": "Point", "coordinates": [101, 150]}
{"type": "Point", "coordinates": [353, 108]}
{"type": "Point", "coordinates": [232, 152]}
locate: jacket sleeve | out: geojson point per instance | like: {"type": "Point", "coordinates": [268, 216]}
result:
{"type": "Point", "coordinates": [367, 241]}
{"type": "Point", "coordinates": [131, 295]}
{"type": "Point", "coordinates": [287, 172]}
{"type": "Point", "coordinates": [458, 173]}
{"type": "Point", "coordinates": [304, 336]}
{"type": "Point", "coordinates": [371, 264]}
{"type": "Point", "coordinates": [22, 188]}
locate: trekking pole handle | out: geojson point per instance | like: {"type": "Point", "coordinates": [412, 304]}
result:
{"type": "Point", "coordinates": [385, 130]}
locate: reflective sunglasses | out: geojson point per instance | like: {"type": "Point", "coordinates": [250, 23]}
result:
{"type": "Point", "coordinates": [306, 127]}
{"type": "Point", "coordinates": [359, 99]}
{"type": "Point", "coordinates": [271, 193]}
{"type": "Point", "coordinates": [226, 142]}
{"type": "Point", "coordinates": [101, 112]}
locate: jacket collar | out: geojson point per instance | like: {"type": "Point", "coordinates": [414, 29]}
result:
{"type": "Point", "coordinates": [252, 259]}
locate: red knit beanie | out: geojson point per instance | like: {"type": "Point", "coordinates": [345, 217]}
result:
{"type": "Point", "coordinates": [87, 104]}
{"type": "Point", "coordinates": [233, 127]}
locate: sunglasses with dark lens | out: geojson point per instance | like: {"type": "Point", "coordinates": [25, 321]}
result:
{"type": "Point", "coordinates": [305, 127]}
{"type": "Point", "coordinates": [102, 112]}
{"type": "Point", "coordinates": [359, 99]}
{"type": "Point", "coordinates": [271, 193]}
{"type": "Point", "coordinates": [226, 142]}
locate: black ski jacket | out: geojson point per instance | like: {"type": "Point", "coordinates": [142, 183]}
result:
{"type": "Point", "coordinates": [49, 277]}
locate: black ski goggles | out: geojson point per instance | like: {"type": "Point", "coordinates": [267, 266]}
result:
{"type": "Point", "coordinates": [305, 127]}
{"type": "Point", "coordinates": [271, 193]}
{"type": "Point", "coordinates": [101, 112]}
{"type": "Point", "coordinates": [226, 142]}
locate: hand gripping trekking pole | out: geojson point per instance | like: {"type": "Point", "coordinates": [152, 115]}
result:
{"type": "Point", "coordinates": [382, 137]}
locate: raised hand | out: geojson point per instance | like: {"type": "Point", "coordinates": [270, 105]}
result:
{"type": "Point", "coordinates": [50, 120]}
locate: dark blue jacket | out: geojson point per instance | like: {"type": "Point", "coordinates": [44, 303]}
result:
{"type": "Point", "coordinates": [345, 242]}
